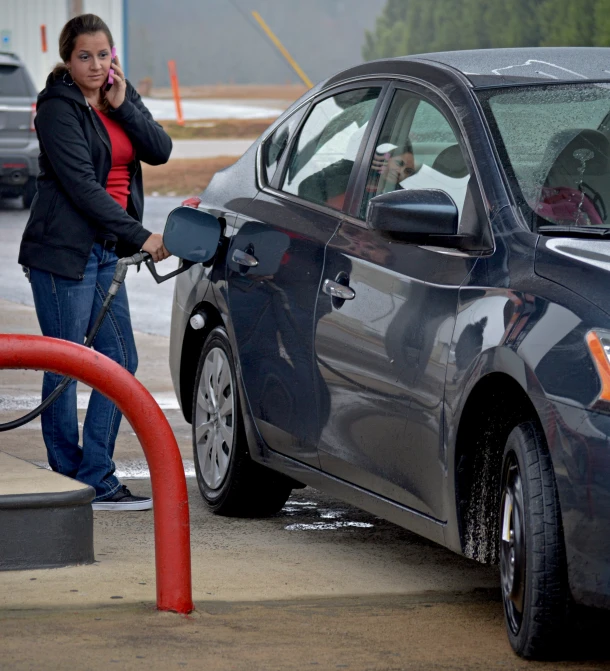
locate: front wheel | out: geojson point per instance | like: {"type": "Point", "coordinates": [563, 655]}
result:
{"type": "Point", "coordinates": [229, 481]}
{"type": "Point", "coordinates": [533, 571]}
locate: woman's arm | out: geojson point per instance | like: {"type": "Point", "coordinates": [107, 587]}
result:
{"type": "Point", "coordinates": [152, 144]}
{"type": "Point", "coordinates": [63, 141]}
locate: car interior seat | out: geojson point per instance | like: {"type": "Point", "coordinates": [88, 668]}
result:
{"type": "Point", "coordinates": [451, 162]}
{"type": "Point", "coordinates": [578, 159]}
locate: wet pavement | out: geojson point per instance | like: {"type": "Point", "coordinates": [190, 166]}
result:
{"type": "Point", "coordinates": [20, 392]}
{"type": "Point", "coordinates": [150, 303]}
{"type": "Point", "coordinates": [320, 585]}
{"type": "Point", "coordinates": [270, 596]}
{"type": "Point", "coordinates": [358, 633]}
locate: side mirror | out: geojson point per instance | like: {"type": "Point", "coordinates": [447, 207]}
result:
{"type": "Point", "coordinates": [419, 216]}
{"type": "Point", "coordinates": [192, 235]}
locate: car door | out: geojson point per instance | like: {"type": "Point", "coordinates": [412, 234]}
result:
{"type": "Point", "coordinates": [382, 344]}
{"type": "Point", "coordinates": [275, 264]}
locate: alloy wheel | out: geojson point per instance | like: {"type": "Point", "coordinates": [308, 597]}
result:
{"type": "Point", "coordinates": [215, 418]}
{"type": "Point", "coordinates": [512, 544]}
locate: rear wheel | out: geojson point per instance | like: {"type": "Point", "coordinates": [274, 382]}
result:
{"type": "Point", "coordinates": [533, 571]}
{"type": "Point", "coordinates": [229, 481]}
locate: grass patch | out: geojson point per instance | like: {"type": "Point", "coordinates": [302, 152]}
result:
{"type": "Point", "coordinates": [183, 176]}
{"type": "Point", "coordinates": [213, 129]}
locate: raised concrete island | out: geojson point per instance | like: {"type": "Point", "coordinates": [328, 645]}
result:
{"type": "Point", "coordinates": [46, 519]}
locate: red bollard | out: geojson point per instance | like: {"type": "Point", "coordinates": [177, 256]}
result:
{"type": "Point", "coordinates": [171, 511]}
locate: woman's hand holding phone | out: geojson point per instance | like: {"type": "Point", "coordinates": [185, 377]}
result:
{"type": "Point", "coordinates": [115, 95]}
{"type": "Point", "coordinates": [380, 162]}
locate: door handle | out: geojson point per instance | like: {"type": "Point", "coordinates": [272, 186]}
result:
{"type": "Point", "coordinates": [244, 259]}
{"type": "Point", "coordinates": [336, 290]}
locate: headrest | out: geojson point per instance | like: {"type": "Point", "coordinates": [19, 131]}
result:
{"type": "Point", "coordinates": [575, 154]}
{"type": "Point", "coordinates": [450, 162]}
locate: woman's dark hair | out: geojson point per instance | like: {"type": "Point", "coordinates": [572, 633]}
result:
{"type": "Point", "coordinates": [85, 24]}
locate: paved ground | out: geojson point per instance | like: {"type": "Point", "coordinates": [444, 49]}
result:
{"type": "Point", "coordinates": [321, 585]}
{"type": "Point", "coordinates": [150, 303]}
{"type": "Point", "coordinates": [296, 591]}
{"type": "Point", "coordinates": [20, 392]}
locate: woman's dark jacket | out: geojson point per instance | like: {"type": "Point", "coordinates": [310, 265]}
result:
{"type": "Point", "coordinates": [72, 207]}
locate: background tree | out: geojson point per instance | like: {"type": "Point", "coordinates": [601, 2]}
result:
{"type": "Point", "coordinates": [389, 37]}
{"type": "Point", "coordinates": [567, 23]}
{"type": "Point", "coordinates": [418, 26]}
{"type": "Point", "coordinates": [602, 23]}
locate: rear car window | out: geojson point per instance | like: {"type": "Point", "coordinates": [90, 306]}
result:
{"type": "Point", "coordinates": [14, 82]}
{"type": "Point", "coordinates": [274, 146]}
{"type": "Point", "coordinates": [323, 158]}
{"type": "Point", "coordinates": [554, 142]}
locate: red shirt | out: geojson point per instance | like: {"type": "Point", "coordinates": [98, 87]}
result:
{"type": "Point", "coordinates": [123, 154]}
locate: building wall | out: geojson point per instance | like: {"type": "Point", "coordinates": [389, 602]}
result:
{"type": "Point", "coordinates": [20, 22]}
{"type": "Point", "coordinates": [218, 42]}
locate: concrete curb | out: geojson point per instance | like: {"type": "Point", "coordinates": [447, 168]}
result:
{"type": "Point", "coordinates": [46, 520]}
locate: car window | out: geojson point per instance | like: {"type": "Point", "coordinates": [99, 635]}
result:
{"type": "Point", "coordinates": [14, 82]}
{"type": "Point", "coordinates": [274, 146]}
{"type": "Point", "coordinates": [322, 160]}
{"type": "Point", "coordinates": [554, 142]}
{"type": "Point", "coordinates": [416, 149]}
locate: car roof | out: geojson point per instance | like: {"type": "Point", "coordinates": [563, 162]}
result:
{"type": "Point", "coordinates": [483, 68]}
{"type": "Point", "coordinates": [9, 58]}
{"type": "Point", "coordinates": [493, 67]}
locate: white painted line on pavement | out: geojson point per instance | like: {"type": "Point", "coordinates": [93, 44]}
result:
{"type": "Point", "coordinates": [162, 108]}
{"type": "Point", "coordinates": [165, 400]}
{"type": "Point", "coordinates": [209, 148]}
{"type": "Point", "coordinates": [135, 469]}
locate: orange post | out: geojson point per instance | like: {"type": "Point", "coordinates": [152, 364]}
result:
{"type": "Point", "coordinates": [173, 77]}
{"type": "Point", "coordinates": [170, 499]}
{"type": "Point", "coordinates": [43, 38]}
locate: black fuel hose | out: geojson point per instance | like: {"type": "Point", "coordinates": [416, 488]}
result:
{"type": "Point", "coordinates": [118, 278]}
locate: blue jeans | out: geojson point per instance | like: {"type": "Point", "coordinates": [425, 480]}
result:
{"type": "Point", "coordinates": [67, 309]}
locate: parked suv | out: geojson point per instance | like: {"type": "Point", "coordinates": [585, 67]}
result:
{"type": "Point", "coordinates": [18, 141]}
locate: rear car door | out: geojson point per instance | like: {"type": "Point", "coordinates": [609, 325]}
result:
{"type": "Point", "coordinates": [16, 116]}
{"type": "Point", "coordinates": [382, 350]}
{"type": "Point", "coordinates": [275, 264]}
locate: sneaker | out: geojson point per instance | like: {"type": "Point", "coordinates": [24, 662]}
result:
{"type": "Point", "coordinates": [124, 500]}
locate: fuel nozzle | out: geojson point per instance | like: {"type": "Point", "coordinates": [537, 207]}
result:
{"type": "Point", "coordinates": [121, 270]}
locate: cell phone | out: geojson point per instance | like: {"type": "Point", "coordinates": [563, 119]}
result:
{"type": "Point", "coordinates": [385, 148]}
{"type": "Point", "coordinates": [110, 80]}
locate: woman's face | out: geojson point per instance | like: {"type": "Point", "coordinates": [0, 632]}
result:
{"type": "Point", "coordinates": [90, 61]}
{"type": "Point", "coordinates": [399, 167]}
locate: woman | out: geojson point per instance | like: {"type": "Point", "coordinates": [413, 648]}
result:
{"type": "Point", "coordinates": [88, 209]}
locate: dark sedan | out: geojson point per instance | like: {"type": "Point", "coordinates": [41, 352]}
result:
{"type": "Point", "coordinates": [409, 309]}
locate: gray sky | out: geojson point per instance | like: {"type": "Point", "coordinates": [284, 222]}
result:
{"type": "Point", "coordinates": [213, 42]}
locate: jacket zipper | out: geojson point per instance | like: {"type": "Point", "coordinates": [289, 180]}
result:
{"type": "Point", "coordinates": [103, 139]}
{"type": "Point", "coordinates": [130, 190]}
{"type": "Point", "coordinates": [107, 144]}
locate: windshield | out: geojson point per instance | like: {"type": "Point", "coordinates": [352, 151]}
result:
{"type": "Point", "coordinates": [554, 143]}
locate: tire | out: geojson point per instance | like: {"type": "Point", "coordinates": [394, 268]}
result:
{"type": "Point", "coordinates": [29, 193]}
{"type": "Point", "coordinates": [533, 569]}
{"type": "Point", "coordinates": [229, 481]}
